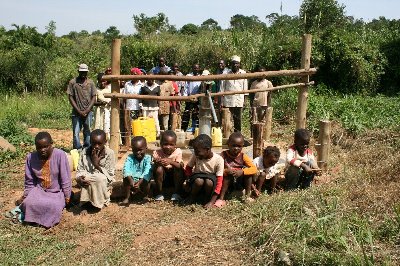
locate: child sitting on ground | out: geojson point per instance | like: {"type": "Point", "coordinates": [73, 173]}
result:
{"type": "Point", "coordinates": [137, 170]}
{"type": "Point", "coordinates": [239, 168]}
{"type": "Point", "coordinates": [95, 172]}
{"type": "Point", "coordinates": [268, 168]}
{"type": "Point", "coordinates": [204, 171]}
{"type": "Point", "coordinates": [302, 166]}
{"type": "Point", "coordinates": [168, 166]}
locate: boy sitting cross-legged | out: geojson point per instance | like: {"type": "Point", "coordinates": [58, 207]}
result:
{"type": "Point", "coordinates": [168, 166]}
{"type": "Point", "coordinates": [204, 172]}
{"type": "Point", "coordinates": [137, 170]}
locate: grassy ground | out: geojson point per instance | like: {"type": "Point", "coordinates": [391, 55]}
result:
{"type": "Point", "coordinates": [350, 217]}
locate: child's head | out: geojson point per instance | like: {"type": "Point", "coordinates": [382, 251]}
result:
{"type": "Point", "coordinates": [98, 139]}
{"type": "Point", "coordinates": [139, 146]}
{"type": "Point", "coordinates": [260, 69]}
{"type": "Point", "coordinates": [301, 140]}
{"type": "Point", "coordinates": [271, 156]}
{"type": "Point", "coordinates": [202, 147]}
{"type": "Point", "coordinates": [168, 142]}
{"type": "Point", "coordinates": [235, 143]}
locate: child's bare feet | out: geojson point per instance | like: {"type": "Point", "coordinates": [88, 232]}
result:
{"type": "Point", "coordinates": [220, 203]}
{"type": "Point", "coordinates": [125, 202]}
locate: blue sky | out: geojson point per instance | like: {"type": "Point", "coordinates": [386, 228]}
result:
{"type": "Point", "coordinates": [90, 15]}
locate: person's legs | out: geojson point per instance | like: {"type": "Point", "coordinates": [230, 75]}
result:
{"type": "Point", "coordinates": [196, 187]}
{"type": "Point", "coordinates": [292, 177]}
{"type": "Point", "coordinates": [154, 114]}
{"type": "Point", "coordinates": [127, 185]}
{"type": "Point", "coordinates": [186, 116]}
{"type": "Point", "coordinates": [208, 189]}
{"type": "Point", "coordinates": [86, 129]}
{"type": "Point", "coordinates": [159, 179]}
{"type": "Point", "coordinates": [225, 185]}
{"type": "Point", "coordinates": [164, 120]}
{"type": "Point", "coordinates": [237, 118]}
{"type": "Point", "coordinates": [273, 182]}
{"type": "Point", "coordinates": [76, 129]}
{"type": "Point", "coordinates": [195, 115]}
{"type": "Point", "coordinates": [178, 180]}
{"type": "Point", "coordinates": [306, 180]}
{"type": "Point", "coordinates": [247, 181]}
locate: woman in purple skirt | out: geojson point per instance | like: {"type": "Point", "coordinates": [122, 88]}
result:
{"type": "Point", "coordinates": [47, 183]}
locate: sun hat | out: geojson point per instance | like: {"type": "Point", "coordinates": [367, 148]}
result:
{"type": "Point", "coordinates": [83, 68]}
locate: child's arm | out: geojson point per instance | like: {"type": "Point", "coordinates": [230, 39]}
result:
{"type": "Point", "coordinates": [146, 175]}
{"type": "Point", "coordinates": [128, 167]}
{"type": "Point", "coordinates": [250, 168]}
{"type": "Point", "coordinates": [291, 158]}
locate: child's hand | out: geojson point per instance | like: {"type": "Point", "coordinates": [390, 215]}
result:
{"type": "Point", "coordinates": [19, 201]}
{"type": "Point", "coordinates": [237, 172]}
{"type": "Point", "coordinates": [82, 181]}
{"type": "Point", "coordinates": [166, 161]}
{"type": "Point", "coordinates": [307, 169]}
{"type": "Point", "coordinates": [317, 171]}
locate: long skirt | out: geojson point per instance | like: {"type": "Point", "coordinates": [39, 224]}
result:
{"type": "Point", "coordinates": [43, 208]}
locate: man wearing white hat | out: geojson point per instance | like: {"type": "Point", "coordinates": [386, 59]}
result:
{"type": "Point", "coordinates": [234, 102]}
{"type": "Point", "coordinates": [82, 96]}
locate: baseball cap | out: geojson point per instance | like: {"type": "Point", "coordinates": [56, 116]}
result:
{"type": "Point", "coordinates": [83, 68]}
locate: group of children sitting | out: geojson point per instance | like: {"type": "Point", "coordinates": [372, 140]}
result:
{"type": "Point", "coordinates": [208, 176]}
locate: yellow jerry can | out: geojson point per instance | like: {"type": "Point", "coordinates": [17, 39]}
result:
{"type": "Point", "coordinates": [146, 127]}
{"type": "Point", "coordinates": [216, 136]}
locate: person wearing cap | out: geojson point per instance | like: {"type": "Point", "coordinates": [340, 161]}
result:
{"type": "Point", "coordinates": [235, 102]}
{"type": "Point", "coordinates": [82, 96]}
{"type": "Point", "coordinates": [191, 108]}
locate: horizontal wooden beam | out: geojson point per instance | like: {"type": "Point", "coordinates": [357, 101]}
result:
{"type": "Point", "coordinates": [266, 74]}
{"type": "Point", "coordinates": [194, 97]}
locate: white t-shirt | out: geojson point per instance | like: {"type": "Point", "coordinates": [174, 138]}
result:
{"type": "Point", "coordinates": [132, 104]}
{"type": "Point", "coordinates": [271, 171]}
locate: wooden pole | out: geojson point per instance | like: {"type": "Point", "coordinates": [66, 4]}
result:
{"type": "Point", "coordinates": [268, 124]}
{"type": "Point", "coordinates": [257, 130]}
{"type": "Point", "coordinates": [277, 73]}
{"type": "Point", "coordinates": [324, 142]}
{"type": "Point", "coordinates": [303, 91]}
{"type": "Point", "coordinates": [174, 121]}
{"type": "Point", "coordinates": [226, 122]}
{"type": "Point", "coordinates": [115, 70]}
{"type": "Point", "coordinates": [195, 96]}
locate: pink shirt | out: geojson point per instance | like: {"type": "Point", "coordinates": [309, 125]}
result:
{"type": "Point", "coordinates": [176, 156]}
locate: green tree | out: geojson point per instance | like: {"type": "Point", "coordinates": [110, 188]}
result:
{"type": "Point", "coordinates": [320, 15]}
{"type": "Point", "coordinates": [189, 29]}
{"type": "Point", "coordinates": [210, 24]}
{"type": "Point", "coordinates": [147, 25]}
{"type": "Point", "coordinates": [111, 33]}
{"type": "Point", "coordinates": [241, 22]}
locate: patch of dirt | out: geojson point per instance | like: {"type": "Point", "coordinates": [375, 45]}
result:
{"type": "Point", "coordinates": [61, 137]}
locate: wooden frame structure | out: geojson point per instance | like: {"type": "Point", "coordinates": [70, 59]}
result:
{"type": "Point", "coordinates": [262, 132]}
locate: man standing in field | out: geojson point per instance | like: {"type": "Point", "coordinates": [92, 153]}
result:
{"type": "Point", "coordinates": [234, 102]}
{"type": "Point", "coordinates": [82, 96]}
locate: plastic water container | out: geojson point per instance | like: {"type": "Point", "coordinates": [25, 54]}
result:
{"type": "Point", "coordinates": [216, 136]}
{"type": "Point", "coordinates": [180, 138]}
{"type": "Point", "coordinates": [146, 127]}
{"type": "Point", "coordinates": [75, 158]}
{"type": "Point", "coordinates": [196, 132]}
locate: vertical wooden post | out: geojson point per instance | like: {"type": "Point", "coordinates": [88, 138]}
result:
{"type": "Point", "coordinates": [324, 142]}
{"type": "Point", "coordinates": [174, 121]}
{"type": "Point", "coordinates": [303, 91]}
{"type": "Point", "coordinates": [115, 70]}
{"type": "Point", "coordinates": [257, 130]}
{"type": "Point", "coordinates": [226, 122]}
{"type": "Point", "coordinates": [268, 124]}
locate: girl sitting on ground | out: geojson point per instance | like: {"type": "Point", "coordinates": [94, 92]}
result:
{"type": "Point", "coordinates": [168, 166]}
{"type": "Point", "coordinates": [204, 172]}
{"type": "Point", "coordinates": [267, 169]}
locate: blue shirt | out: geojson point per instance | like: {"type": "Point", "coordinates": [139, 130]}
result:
{"type": "Point", "coordinates": [138, 170]}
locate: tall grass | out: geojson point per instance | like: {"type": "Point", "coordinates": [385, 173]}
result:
{"type": "Point", "coordinates": [37, 110]}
